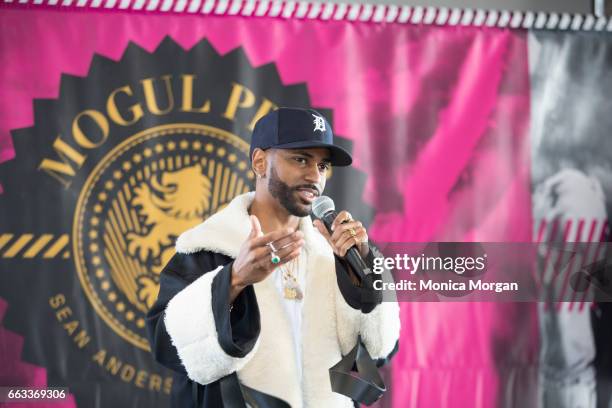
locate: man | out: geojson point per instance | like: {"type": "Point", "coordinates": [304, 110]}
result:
{"type": "Point", "coordinates": [257, 290]}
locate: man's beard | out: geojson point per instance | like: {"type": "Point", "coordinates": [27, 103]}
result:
{"type": "Point", "coordinates": [285, 195]}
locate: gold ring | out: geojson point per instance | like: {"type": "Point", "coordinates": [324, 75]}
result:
{"type": "Point", "coordinates": [353, 232]}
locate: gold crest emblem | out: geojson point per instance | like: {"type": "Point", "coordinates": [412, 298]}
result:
{"type": "Point", "coordinates": [137, 201]}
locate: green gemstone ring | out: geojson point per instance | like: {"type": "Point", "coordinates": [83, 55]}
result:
{"type": "Point", "coordinates": [275, 259]}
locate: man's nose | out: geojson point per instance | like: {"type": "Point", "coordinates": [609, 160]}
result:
{"type": "Point", "coordinates": [313, 175]}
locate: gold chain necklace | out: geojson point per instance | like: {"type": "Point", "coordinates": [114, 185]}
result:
{"type": "Point", "coordinates": [291, 286]}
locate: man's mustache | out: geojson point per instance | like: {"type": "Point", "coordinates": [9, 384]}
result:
{"type": "Point", "coordinates": [310, 186]}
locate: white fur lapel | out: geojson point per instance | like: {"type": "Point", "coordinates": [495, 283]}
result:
{"type": "Point", "coordinates": [223, 232]}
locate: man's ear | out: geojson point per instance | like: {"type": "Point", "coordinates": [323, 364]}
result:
{"type": "Point", "coordinates": [259, 163]}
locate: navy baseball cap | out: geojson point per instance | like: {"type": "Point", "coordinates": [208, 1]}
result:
{"type": "Point", "coordinates": [294, 128]}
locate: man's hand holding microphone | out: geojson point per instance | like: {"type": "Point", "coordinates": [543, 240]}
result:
{"type": "Point", "coordinates": [346, 233]}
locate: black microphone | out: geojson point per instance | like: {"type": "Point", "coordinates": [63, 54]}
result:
{"type": "Point", "coordinates": [324, 209]}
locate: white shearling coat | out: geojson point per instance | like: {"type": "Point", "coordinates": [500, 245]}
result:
{"type": "Point", "coordinates": [192, 331]}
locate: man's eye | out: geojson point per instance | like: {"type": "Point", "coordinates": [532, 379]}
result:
{"type": "Point", "coordinates": [300, 160]}
{"type": "Point", "coordinates": [324, 166]}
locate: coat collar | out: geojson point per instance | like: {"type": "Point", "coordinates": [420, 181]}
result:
{"type": "Point", "coordinates": [225, 231]}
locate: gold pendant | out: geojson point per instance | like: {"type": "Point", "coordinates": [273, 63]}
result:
{"type": "Point", "coordinates": [292, 293]}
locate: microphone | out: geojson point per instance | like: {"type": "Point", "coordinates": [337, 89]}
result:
{"type": "Point", "coordinates": [324, 209]}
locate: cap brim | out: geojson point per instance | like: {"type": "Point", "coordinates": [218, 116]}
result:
{"type": "Point", "coordinates": [339, 156]}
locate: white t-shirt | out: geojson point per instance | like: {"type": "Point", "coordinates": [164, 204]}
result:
{"type": "Point", "coordinates": [294, 307]}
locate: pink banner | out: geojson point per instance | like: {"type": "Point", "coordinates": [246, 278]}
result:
{"type": "Point", "coordinates": [439, 120]}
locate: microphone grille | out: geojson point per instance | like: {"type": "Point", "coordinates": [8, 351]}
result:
{"type": "Point", "coordinates": [322, 205]}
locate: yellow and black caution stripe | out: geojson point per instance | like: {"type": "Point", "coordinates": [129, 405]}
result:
{"type": "Point", "coordinates": [28, 246]}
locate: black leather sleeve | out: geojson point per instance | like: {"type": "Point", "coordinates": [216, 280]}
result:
{"type": "Point", "coordinates": [237, 330]}
{"type": "Point", "coordinates": [363, 296]}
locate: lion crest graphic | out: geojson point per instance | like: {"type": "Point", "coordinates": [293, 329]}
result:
{"type": "Point", "coordinates": [165, 207]}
